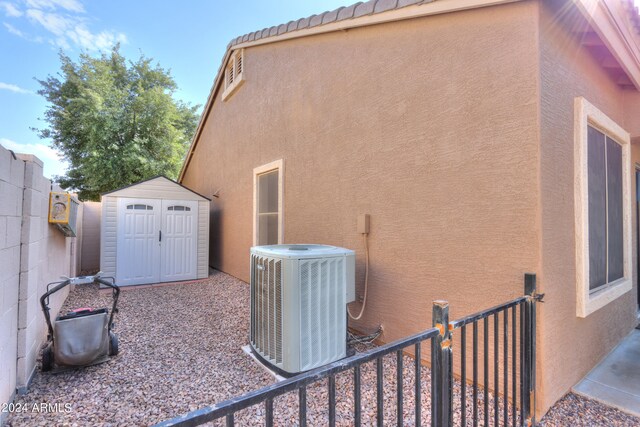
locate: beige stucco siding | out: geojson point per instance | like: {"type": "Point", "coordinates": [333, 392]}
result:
{"type": "Point", "coordinates": [424, 124]}
{"type": "Point", "coordinates": [569, 346]}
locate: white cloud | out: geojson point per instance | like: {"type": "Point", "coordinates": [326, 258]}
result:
{"type": "Point", "coordinates": [13, 88]}
{"type": "Point", "coordinates": [52, 22]}
{"type": "Point", "coordinates": [52, 163]}
{"type": "Point", "coordinates": [87, 40]}
{"type": "Point", "coordinates": [17, 32]}
{"type": "Point", "coordinates": [67, 24]}
{"type": "Point", "coordinates": [10, 9]}
{"type": "Point", "coordinates": [13, 30]}
{"type": "Point", "coordinates": [70, 5]}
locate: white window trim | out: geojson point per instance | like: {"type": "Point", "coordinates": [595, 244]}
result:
{"type": "Point", "coordinates": [238, 78]}
{"type": "Point", "coordinates": [587, 114]}
{"type": "Point", "coordinates": [279, 165]}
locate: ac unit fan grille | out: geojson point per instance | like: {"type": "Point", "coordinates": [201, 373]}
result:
{"type": "Point", "coordinates": [321, 317]}
{"type": "Point", "coordinates": [266, 307]}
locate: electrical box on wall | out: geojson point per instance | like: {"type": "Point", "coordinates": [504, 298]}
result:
{"type": "Point", "coordinates": [363, 223]}
{"type": "Point", "coordinates": [63, 212]}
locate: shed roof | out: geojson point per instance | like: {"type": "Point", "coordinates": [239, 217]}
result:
{"type": "Point", "coordinates": [155, 193]}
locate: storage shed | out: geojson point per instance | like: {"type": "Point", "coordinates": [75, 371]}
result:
{"type": "Point", "coordinates": [154, 231]}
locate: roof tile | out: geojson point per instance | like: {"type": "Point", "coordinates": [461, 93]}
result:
{"type": "Point", "coordinates": [303, 23]}
{"type": "Point", "coordinates": [331, 16]}
{"type": "Point", "coordinates": [365, 8]}
{"type": "Point", "coordinates": [347, 12]}
{"type": "Point", "coordinates": [353, 11]}
{"type": "Point", "coordinates": [316, 20]}
{"type": "Point", "coordinates": [384, 5]}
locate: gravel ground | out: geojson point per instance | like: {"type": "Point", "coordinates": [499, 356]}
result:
{"type": "Point", "coordinates": [180, 350]}
{"type": "Point", "coordinates": [575, 410]}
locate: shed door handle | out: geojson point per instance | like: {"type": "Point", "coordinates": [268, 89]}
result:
{"type": "Point", "coordinates": [159, 235]}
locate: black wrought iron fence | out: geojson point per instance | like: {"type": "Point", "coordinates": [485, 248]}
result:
{"type": "Point", "coordinates": [507, 399]}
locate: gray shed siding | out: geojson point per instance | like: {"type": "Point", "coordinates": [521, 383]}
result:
{"type": "Point", "coordinates": [108, 236]}
{"type": "Point", "coordinates": [203, 239]}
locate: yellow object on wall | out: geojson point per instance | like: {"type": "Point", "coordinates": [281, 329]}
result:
{"type": "Point", "coordinates": [63, 211]}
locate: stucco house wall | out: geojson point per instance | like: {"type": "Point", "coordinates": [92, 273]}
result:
{"type": "Point", "coordinates": [455, 132]}
{"type": "Point", "coordinates": [443, 160]}
{"type": "Point", "coordinates": [570, 345]}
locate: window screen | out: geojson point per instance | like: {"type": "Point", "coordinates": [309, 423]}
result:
{"type": "Point", "coordinates": [606, 255]}
{"type": "Point", "coordinates": [267, 203]}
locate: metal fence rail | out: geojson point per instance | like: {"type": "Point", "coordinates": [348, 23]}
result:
{"type": "Point", "coordinates": [441, 336]}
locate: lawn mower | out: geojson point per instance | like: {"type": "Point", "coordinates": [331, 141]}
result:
{"type": "Point", "coordinates": [83, 336]}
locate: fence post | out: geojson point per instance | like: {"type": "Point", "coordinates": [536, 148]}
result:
{"type": "Point", "coordinates": [441, 368]}
{"type": "Point", "coordinates": [529, 371]}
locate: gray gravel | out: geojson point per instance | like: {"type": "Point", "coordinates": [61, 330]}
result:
{"type": "Point", "coordinates": [180, 350]}
{"type": "Point", "coordinates": [575, 410]}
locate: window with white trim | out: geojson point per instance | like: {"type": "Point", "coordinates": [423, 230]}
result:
{"type": "Point", "coordinates": [267, 203]}
{"type": "Point", "coordinates": [233, 73]}
{"type": "Point", "coordinates": [603, 209]}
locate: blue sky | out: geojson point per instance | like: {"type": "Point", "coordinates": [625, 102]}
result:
{"type": "Point", "coordinates": [189, 37]}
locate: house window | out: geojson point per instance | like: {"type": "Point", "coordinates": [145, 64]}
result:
{"type": "Point", "coordinates": [603, 209]}
{"type": "Point", "coordinates": [604, 177]}
{"type": "Point", "coordinates": [233, 74]}
{"type": "Point", "coordinates": [267, 203]}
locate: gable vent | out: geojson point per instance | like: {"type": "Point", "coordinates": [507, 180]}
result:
{"type": "Point", "coordinates": [233, 74]}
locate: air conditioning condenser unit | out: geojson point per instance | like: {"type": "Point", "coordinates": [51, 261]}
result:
{"type": "Point", "coordinates": [299, 297]}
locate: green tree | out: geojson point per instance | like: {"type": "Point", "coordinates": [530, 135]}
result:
{"type": "Point", "coordinates": [115, 121]}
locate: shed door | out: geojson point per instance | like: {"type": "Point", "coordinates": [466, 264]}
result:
{"type": "Point", "coordinates": [138, 248]}
{"type": "Point", "coordinates": [179, 240]}
{"type": "Point", "coordinates": [156, 241]}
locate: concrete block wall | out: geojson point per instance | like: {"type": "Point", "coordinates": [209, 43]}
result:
{"type": "Point", "coordinates": [32, 254]}
{"type": "Point", "coordinates": [11, 182]}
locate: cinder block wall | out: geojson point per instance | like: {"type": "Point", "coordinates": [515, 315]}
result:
{"type": "Point", "coordinates": [32, 254]}
{"type": "Point", "coordinates": [11, 182]}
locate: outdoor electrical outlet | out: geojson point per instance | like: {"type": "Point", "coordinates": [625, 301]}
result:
{"type": "Point", "coordinates": [363, 223]}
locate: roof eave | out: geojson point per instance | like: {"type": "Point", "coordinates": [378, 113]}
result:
{"type": "Point", "coordinates": [616, 36]}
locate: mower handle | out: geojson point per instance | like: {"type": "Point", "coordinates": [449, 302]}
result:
{"type": "Point", "coordinates": [116, 294]}
{"type": "Point", "coordinates": [44, 299]}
